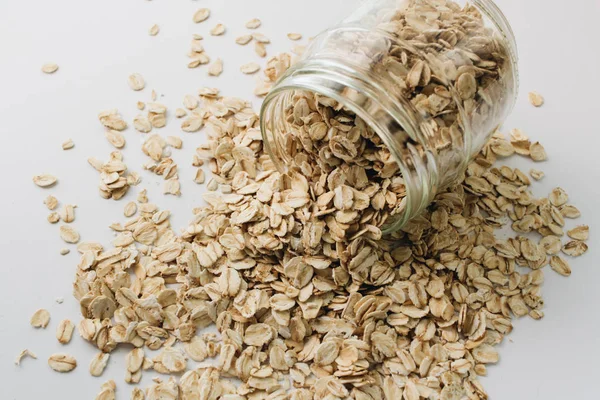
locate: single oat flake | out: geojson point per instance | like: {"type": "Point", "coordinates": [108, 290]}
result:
{"type": "Point", "coordinates": [51, 202]}
{"type": "Point", "coordinates": [49, 68]}
{"type": "Point", "coordinates": [260, 49]}
{"type": "Point", "coordinates": [107, 391]}
{"type": "Point", "coordinates": [68, 144]}
{"type": "Point", "coordinates": [581, 232]}
{"type": "Point", "coordinates": [40, 319]}
{"type": "Point", "coordinates": [201, 15]}
{"type": "Point", "coordinates": [98, 363]}
{"type": "Point", "coordinates": [243, 40]}
{"type": "Point", "coordinates": [68, 234]}
{"type": "Point", "coordinates": [22, 354]}
{"type": "Point", "coordinates": [130, 209]}
{"type": "Point", "coordinates": [250, 68]}
{"type": "Point", "coordinates": [53, 217]}
{"type": "Point", "coordinates": [294, 36]}
{"type": "Point", "coordinates": [216, 68]}
{"type": "Point", "coordinates": [62, 362]}
{"type": "Point", "coordinates": [67, 213]}
{"type": "Point", "coordinates": [116, 138]}
{"type": "Point", "coordinates": [154, 29]}
{"type": "Point", "coordinates": [136, 82]}
{"type": "Point", "coordinates": [44, 180]}
{"type": "Point", "coordinates": [260, 38]}
{"type": "Point", "coordinates": [218, 30]}
{"type": "Point", "coordinates": [536, 174]}
{"type": "Point", "coordinates": [536, 99]}
{"type": "Point", "coordinates": [64, 331]}
{"type": "Point", "coordinates": [254, 23]}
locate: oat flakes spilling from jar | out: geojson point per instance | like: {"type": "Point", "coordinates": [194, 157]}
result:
{"type": "Point", "coordinates": [311, 300]}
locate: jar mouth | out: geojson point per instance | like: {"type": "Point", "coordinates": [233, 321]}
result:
{"type": "Point", "coordinates": [340, 83]}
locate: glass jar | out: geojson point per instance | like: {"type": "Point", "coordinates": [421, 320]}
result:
{"type": "Point", "coordinates": [427, 82]}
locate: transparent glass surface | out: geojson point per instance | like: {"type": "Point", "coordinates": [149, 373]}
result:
{"type": "Point", "coordinates": [432, 79]}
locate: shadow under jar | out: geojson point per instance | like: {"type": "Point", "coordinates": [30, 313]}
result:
{"type": "Point", "coordinates": [394, 102]}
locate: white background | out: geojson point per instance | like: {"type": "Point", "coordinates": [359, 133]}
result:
{"type": "Point", "coordinates": [99, 43]}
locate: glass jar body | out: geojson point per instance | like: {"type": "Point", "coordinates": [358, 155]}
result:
{"type": "Point", "coordinates": [426, 83]}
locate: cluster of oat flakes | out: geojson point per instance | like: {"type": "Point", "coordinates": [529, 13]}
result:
{"type": "Point", "coordinates": [310, 300]}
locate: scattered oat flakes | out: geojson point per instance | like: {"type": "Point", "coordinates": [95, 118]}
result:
{"type": "Point", "coordinates": [44, 180]}
{"type": "Point", "coordinates": [64, 251]}
{"type": "Point", "coordinates": [68, 144]}
{"type": "Point", "coordinates": [40, 319]}
{"type": "Point", "coordinates": [218, 30]}
{"type": "Point", "coordinates": [64, 331]}
{"type": "Point", "coordinates": [136, 82]}
{"type": "Point", "coordinates": [154, 29]}
{"type": "Point", "coordinates": [201, 15]}
{"type": "Point", "coordinates": [197, 36]}
{"type": "Point", "coordinates": [294, 36]}
{"type": "Point", "coordinates": [153, 95]}
{"type": "Point", "coordinates": [250, 68]}
{"type": "Point", "coordinates": [23, 354]}
{"type": "Point", "coordinates": [216, 68]}
{"type": "Point", "coordinates": [536, 99]}
{"type": "Point", "coordinates": [59, 300]}
{"type": "Point", "coordinates": [68, 234]}
{"type": "Point", "coordinates": [140, 105]}
{"type": "Point", "coordinates": [254, 23]}
{"type": "Point", "coordinates": [49, 68]}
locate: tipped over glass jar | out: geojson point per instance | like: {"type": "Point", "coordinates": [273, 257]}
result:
{"type": "Point", "coordinates": [390, 105]}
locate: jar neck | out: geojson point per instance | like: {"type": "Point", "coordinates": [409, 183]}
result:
{"type": "Point", "coordinates": [394, 121]}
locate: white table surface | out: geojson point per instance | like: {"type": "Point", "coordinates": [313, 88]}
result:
{"type": "Point", "coordinates": [97, 44]}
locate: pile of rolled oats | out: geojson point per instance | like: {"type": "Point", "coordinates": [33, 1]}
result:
{"type": "Point", "coordinates": [309, 298]}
